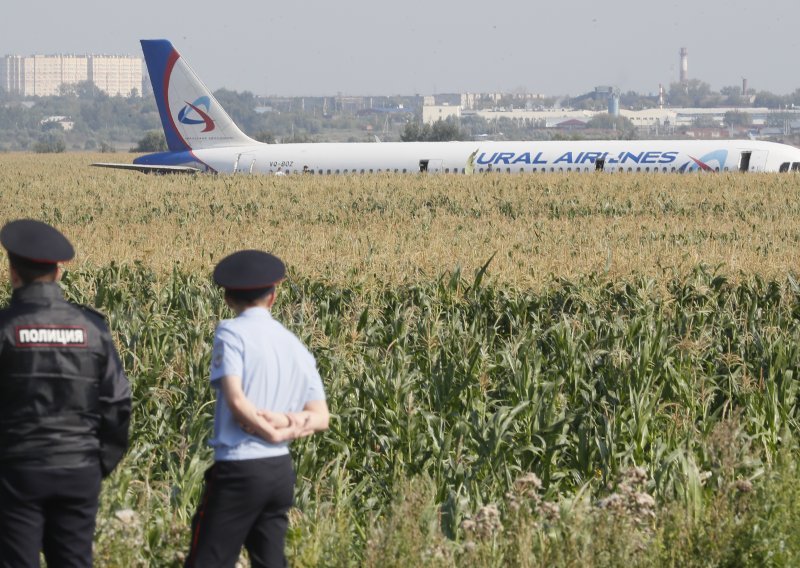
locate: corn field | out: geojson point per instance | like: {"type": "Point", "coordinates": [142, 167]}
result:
{"type": "Point", "coordinates": [399, 229]}
{"type": "Point", "coordinates": [491, 405]}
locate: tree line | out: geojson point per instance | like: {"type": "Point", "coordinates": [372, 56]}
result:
{"type": "Point", "coordinates": [98, 122]}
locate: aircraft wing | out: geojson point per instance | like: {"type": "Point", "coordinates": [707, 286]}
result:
{"type": "Point", "coordinates": [150, 169]}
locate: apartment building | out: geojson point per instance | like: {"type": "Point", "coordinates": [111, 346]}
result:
{"type": "Point", "coordinates": [46, 75]}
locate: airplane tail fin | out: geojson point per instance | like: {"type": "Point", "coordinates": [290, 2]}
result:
{"type": "Point", "coordinates": [191, 116]}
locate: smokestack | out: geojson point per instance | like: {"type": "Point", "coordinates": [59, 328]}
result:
{"type": "Point", "coordinates": [660, 96]}
{"type": "Point", "coordinates": [684, 65]}
{"type": "Point", "coordinates": [744, 87]}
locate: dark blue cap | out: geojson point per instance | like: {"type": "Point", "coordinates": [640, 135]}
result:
{"type": "Point", "coordinates": [36, 242]}
{"type": "Point", "coordinates": [249, 270]}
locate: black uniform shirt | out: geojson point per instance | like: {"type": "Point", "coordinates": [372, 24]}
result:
{"type": "Point", "coordinates": [64, 397]}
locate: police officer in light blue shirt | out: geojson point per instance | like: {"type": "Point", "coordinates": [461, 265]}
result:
{"type": "Point", "coordinates": [268, 392]}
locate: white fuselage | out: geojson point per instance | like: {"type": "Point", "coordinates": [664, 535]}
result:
{"type": "Point", "coordinates": [203, 138]}
{"type": "Point", "coordinates": [507, 157]}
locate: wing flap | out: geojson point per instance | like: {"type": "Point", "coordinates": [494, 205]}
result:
{"type": "Point", "coordinates": [150, 169]}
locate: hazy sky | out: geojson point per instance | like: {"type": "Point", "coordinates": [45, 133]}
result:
{"type": "Point", "coordinates": [316, 47]}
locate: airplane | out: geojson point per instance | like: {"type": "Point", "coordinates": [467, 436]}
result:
{"type": "Point", "coordinates": [201, 137]}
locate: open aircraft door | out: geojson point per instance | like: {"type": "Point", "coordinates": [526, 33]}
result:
{"type": "Point", "coordinates": [752, 160]}
{"type": "Point", "coordinates": [431, 166]}
{"type": "Point", "coordinates": [245, 163]}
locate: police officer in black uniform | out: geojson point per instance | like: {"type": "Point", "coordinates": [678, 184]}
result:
{"type": "Point", "coordinates": [64, 407]}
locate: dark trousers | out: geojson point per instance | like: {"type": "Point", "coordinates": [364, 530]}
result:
{"type": "Point", "coordinates": [49, 510]}
{"type": "Point", "coordinates": [244, 503]}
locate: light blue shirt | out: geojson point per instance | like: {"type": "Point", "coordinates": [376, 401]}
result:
{"type": "Point", "coordinates": [278, 374]}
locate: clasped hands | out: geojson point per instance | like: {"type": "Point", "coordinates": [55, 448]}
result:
{"type": "Point", "coordinates": [277, 427]}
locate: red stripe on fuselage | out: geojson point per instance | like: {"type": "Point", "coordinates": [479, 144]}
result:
{"type": "Point", "coordinates": [173, 59]}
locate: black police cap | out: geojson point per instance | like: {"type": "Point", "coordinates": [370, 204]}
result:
{"type": "Point", "coordinates": [249, 270]}
{"type": "Point", "coordinates": [36, 241]}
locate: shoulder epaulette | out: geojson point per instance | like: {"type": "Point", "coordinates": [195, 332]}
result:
{"type": "Point", "coordinates": [92, 310]}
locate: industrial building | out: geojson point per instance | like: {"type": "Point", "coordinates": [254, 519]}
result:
{"type": "Point", "coordinates": [47, 75]}
{"type": "Point", "coordinates": [655, 121]}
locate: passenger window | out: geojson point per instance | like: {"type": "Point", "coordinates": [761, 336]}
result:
{"type": "Point", "coordinates": [329, 172]}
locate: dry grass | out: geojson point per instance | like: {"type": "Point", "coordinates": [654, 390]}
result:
{"type": "Point", "coordinates": [406, 227]}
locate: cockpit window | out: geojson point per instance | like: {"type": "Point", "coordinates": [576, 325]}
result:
{"type": "Point", "coordinates": [796, 166]}
{"type": "Point", "coordinates": [784, 167]}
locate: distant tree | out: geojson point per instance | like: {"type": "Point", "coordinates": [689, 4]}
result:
{"type": "Point", "coordinates": [732, 95]}
{"type": "Point", "coordinates": [705, 122]}
{"type": "Point", "coordinates": [240, 107]}
{"type": "Point", "coordinates": [50, 143]}
{"type": "Point", "coordinates": [441, 131]}
{"type": "Point", "coordinates": [52, 125]}
{"type": "Point", "coordinates": [735, 118]}
{"type": "Point", "coordinates": [778, 119]}
{"type": "Point", "coordinates": [695, 93]}
{"type": "Point", "coordinates": [413, 131]}
{"type": "Point", "coordinates": [678, 96]}
{"type": "Point", "coordinates": [153, 141]}
{"type": "Point", "coordinates": [699, 91]}
{"type": "Point", "coordinates": [265, 136]}
{"type": "Point", "coordinates": [444, 131]}
{"type": "Point", "coordinates": [67, 89]}
{"type": "Point", "coordinates": [86, 90]}
{"type": "Point", "coordinates": [636, 101]}
{"type": "Point", "coordinates": [296, 138]}
{"type": "Point", "coordinates": [589, 103]}
{"type": "Point", "coordinates": [606, 121]}
{"type": "Point", "coordinates": [769, 100]}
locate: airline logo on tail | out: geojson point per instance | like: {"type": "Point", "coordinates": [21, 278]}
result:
{"type": "Point", "coordinates": [197, 113]}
